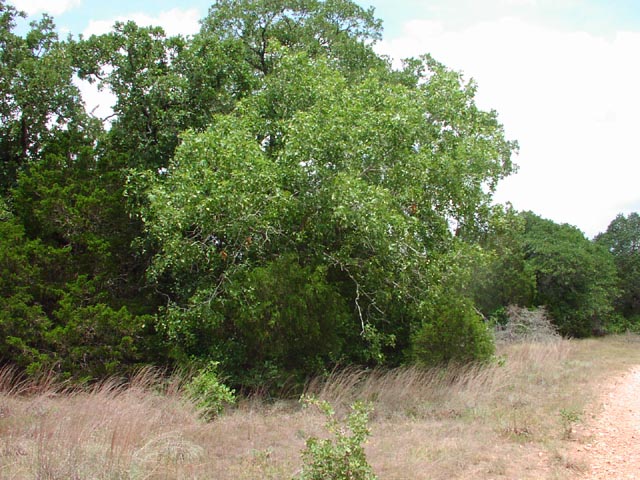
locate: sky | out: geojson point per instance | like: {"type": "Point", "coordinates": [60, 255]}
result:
{"type": "Point", "coordinates": [563, 75]}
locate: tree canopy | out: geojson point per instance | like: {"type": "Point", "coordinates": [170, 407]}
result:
{"type": "Point", "coordinates": [269, 194]}
{"type": "Point", "coordinates": [333, 175]}
{"type": "Point", "coordinates": [575, 278]}
{"type": "Point", "coordinates": [622, 239]}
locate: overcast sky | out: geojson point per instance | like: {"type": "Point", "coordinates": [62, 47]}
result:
{"type": "Point", "coordinates": [564, 76]}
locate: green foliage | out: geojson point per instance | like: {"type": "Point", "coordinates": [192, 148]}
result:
{"type": "Point", "coordinates": [293, 201]}
{"type": "Point", "coordinates": [336, 176]}
{"type": "Point", "coordinates": [341, 457]}
{"type": "Point", "coordinates": [575, 278]}
{"type": "Point", "coordinates": [72, 203]}
{"type": "Point", "coordinates": [337, 29]}
{"type": "Point", "coordinates": [622, 239]}
{"type": "Point", "coordinates": [142, 68]}
{"type": "Point", "coordinates": [23, 320]}
{"type": "Point", "coordinates": [78, 203]}
{"type": "Point", "coordinates": [451, 332]}
{"type": "Point", "coordinates": [288, 315]}
{"type": "Point", "coordinates": [533, 262]}
{"type": "Point", "coordinates": [569, 417]}
{"type": "Point", "coordinates": [48, 322]}
{"type": "Point", "coordinates": [91, 339]}
{"type": "Point", "coordinates": [620, 324]}
{"type": "Point", "coordinates": [68, 272]}
{"type": "Point", "coordinates": [39, 100]}
{"type": "Point", "coordinates": [503, 276]}
{"type": "Point", "coordinates": [210, 395]}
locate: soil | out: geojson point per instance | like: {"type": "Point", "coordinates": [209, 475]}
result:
{"type": "Point", "coordinates": [609, 443]}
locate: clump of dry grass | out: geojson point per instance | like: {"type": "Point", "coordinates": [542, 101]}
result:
{"type": "Point", "coordinates": [55, 431]}
{"type": "Point", "coordinates": [499, 420]}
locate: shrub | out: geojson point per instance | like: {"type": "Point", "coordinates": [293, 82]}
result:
{"type": "Point", "coordinates": [569, 417]}
{"type": "Point", "coordinates": [208, 393]}
{"type": "Point", "coordinates": [92, 339]}
{"type": "Point", "coordinates": [341, 457]}
{"type": "Point", "coordinates": [620, 324]}
{"type": "Point", "coordinates": [526, 325]}
{"type": "Point", "coordinates": [286, 314]}
{"type": "Point", "coordinates": [452, 331]}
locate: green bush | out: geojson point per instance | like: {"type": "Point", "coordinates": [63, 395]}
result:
{"type": "Point", "coordinates": [208, 393]}
{"type": "Point", "coordinates": [341, 457]}
{"type": "Point", "coordinates": [452, 331]}
{"type": "Point", "coordinates": [287, 318]}
{"type": "Point", "coordinates": [620, 324]}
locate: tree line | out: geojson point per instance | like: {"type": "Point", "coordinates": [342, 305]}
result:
{"type": "Point", "coordinates": [269, 194]}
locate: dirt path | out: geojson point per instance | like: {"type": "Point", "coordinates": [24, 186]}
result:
{"type": "Point", "coordinates": [611, 442]}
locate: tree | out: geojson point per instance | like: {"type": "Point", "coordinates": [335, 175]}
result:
{"type": "Point", "coordinates": [293, 201]}
{"type": "Point", "coordinates": [39, 100]}
{"type": "Point", "coordinates": [23, 321]}
{"type": "Point", "coordinates": [575, 278]}
{"type": "Point", "coordinates": [503, 275]}
{"type": "Point", "coordinates": [622, 239]}
{"type": "Point", "coordinates": [71, 297]}
{"type": "Point", "coordinates": [355, 183]}
{"type": "Point", "coordinates": [339, 30]}
{"type": "Point", "coordinates": [140, 67]}
{"type": "Point", "coordinates": [166, 85]}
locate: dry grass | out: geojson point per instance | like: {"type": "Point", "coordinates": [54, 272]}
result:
{"type": "Point", "coordinates": [500, 421]}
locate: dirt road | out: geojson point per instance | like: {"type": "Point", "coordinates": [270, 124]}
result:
{"type": "Point", "coordinates": [610, 442]}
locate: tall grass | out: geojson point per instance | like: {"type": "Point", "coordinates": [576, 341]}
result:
{"type": "Point", "coordinates": [54, 431]}
{"type": "Point", "coordinates": [417, 392]}
{"type": "Point", "coordinates": [500, 420]}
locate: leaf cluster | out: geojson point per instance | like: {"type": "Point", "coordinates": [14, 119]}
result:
{"type": "Point", "coordinates": [341, 457]}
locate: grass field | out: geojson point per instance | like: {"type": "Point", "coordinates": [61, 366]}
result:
{"type": "Point", "coordinates": [512, 419]}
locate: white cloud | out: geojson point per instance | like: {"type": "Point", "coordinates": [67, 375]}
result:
{"type": "Point", "coordinates": [52, 7]}
{"type": "Point", "coordinates": [98, 103]}
{"type": "Point", "coordinates": [531, 3]}
{"type": "Point", "coordinates": [174, 22]}
{"type": "Point", "coordinates": [569, 98]}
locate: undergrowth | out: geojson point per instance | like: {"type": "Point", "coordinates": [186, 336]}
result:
{"type": "Point", "coordinates": [341, 457]}
{"type": "Point", "coordinates": [498, 420]}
